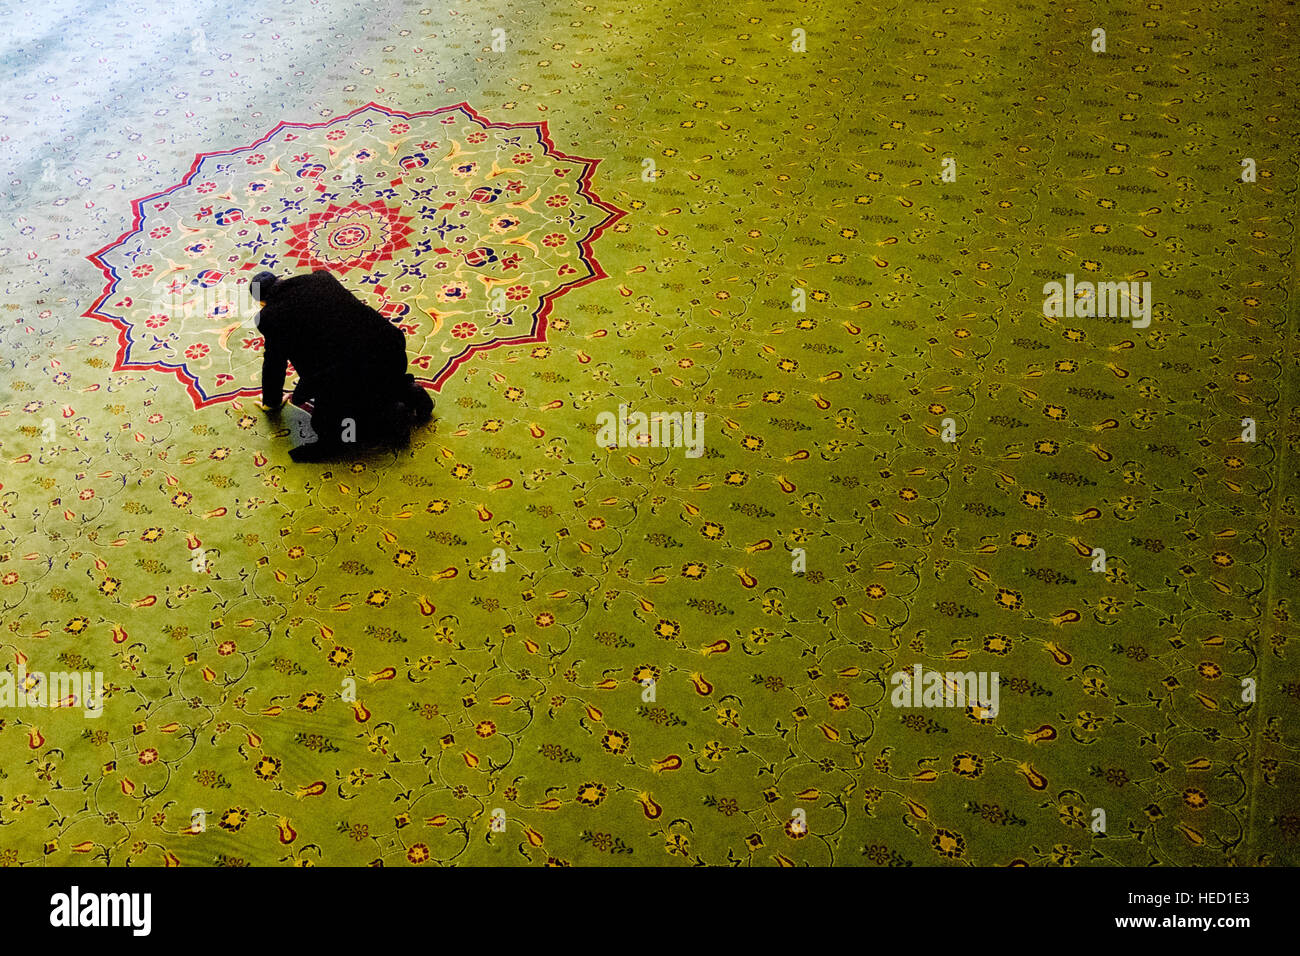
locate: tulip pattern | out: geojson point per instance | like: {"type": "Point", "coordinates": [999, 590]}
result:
{"type": "Point", "coordinates": [509, 644]}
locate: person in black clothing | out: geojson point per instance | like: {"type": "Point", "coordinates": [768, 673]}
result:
{"type": "Point", "coordinates": [350, 360]}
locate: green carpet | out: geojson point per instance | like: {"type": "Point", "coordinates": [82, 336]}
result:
{"type": "Point", "coordinates": [518, 642]}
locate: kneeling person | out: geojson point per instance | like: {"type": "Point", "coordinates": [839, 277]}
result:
{"type": "Point", "coordinates": [350, 360]}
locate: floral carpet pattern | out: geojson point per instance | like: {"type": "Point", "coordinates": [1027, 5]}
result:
{"type": "Point", "coordinates": [452, 294]}
{"type": "Point", "coordinates": [513, 644]}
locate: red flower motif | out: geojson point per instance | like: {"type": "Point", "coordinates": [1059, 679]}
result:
{"type": "Point", "coordinates": [355, 236]}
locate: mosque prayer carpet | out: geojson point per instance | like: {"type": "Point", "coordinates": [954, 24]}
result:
{"type": "Point", "coordinates": [866, 434]}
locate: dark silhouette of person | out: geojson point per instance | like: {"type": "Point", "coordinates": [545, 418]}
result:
{"type": "Point", "coordinates": [350, 360]}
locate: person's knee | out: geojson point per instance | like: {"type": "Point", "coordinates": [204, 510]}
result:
{"type": "Point", "coordinates": [332, 426]}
